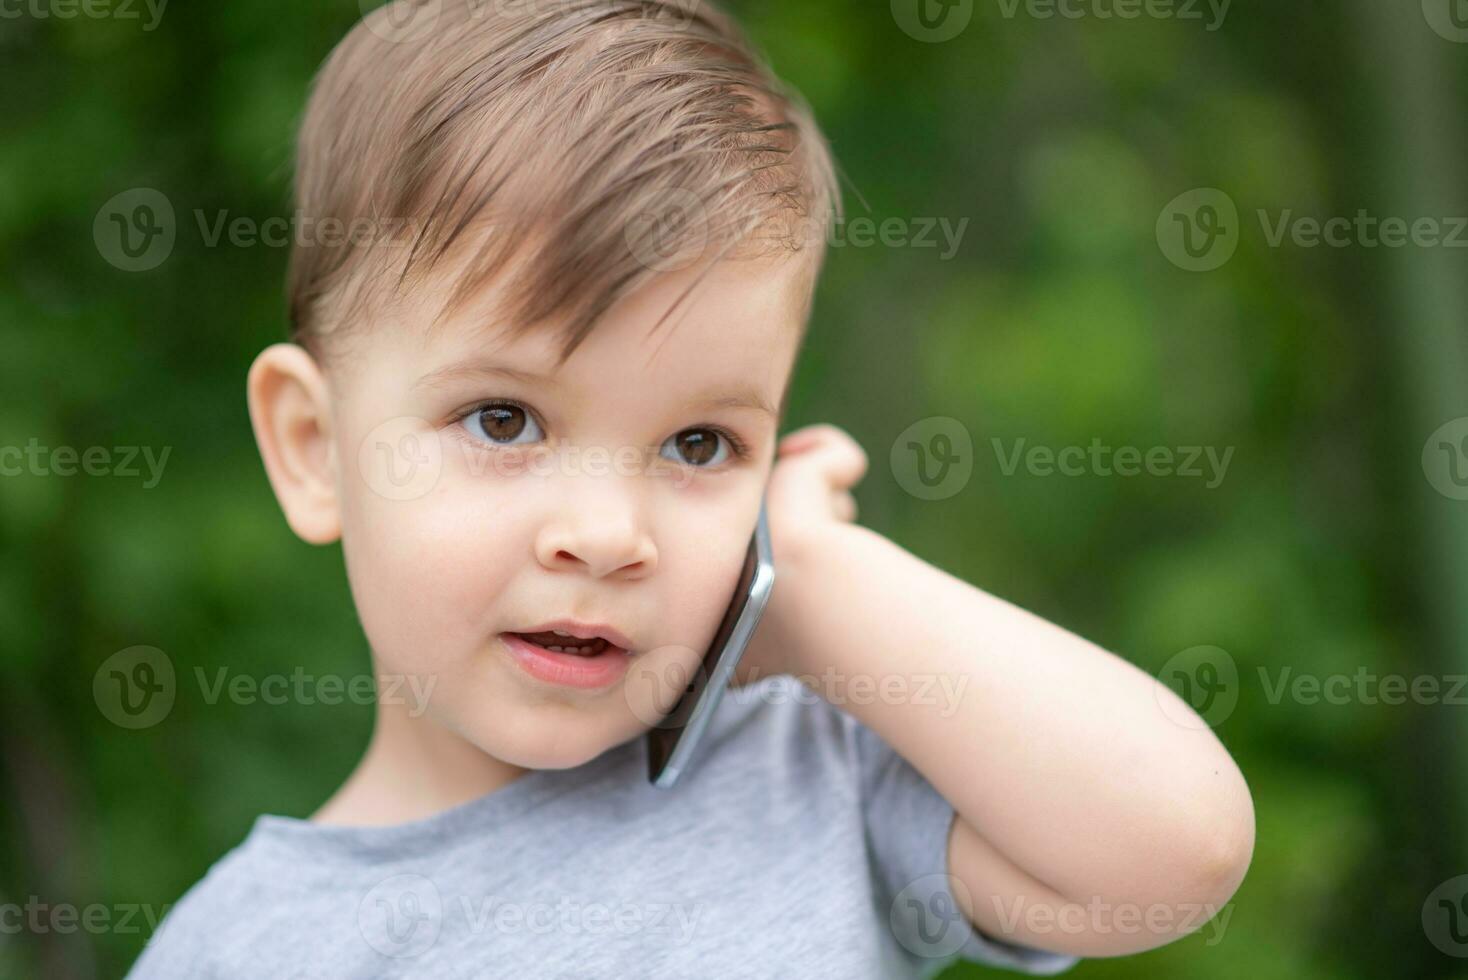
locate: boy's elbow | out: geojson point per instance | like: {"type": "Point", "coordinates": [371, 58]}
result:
{"type": "Point", "coordinates": [1218, 858]}
{"type": "Point", "coordinates": [1209, 848]}
{"type": "Point", "coordinates": [1197, 897]}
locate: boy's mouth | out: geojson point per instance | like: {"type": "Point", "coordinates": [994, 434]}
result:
{"type": "Point", "coordinates": [591, 662]}
{"type": "Point", "coordinates": [558, 643]}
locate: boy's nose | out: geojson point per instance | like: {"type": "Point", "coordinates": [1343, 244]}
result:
{"type": "Point", "coordinates": [601, 541]}
{"type": "Point", "coordinates": [601, 553]}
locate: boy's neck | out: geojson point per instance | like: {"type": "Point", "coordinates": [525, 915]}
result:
{"type": "Point", "coordinates": [412, 769]}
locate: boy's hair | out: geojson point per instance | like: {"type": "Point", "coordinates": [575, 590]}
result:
{"type": "Point", "coordinates": [582, 146]}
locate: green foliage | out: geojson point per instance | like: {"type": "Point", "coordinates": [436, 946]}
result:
{"type": "Point", "coordinates": [1058, 321]}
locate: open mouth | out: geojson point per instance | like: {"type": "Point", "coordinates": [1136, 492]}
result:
{"type": "Point", "coordinates": [556, 657]}
{"type": "Point", "coordinates": [557, 643]}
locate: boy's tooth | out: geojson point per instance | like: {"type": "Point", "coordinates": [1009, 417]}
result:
{"type": "Point", "coordinates": [560, 633]}
{"type": "Point", "coordinates": [584, 651]}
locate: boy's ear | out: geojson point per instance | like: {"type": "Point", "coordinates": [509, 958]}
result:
{"type": "Point", "coordinates": [291, 414]}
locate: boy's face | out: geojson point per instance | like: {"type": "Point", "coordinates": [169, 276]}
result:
{"type": "Point", "coordinates": [473, 503]}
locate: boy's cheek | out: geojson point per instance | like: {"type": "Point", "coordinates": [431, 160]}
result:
{"type": "Point", "coordinates": [455, 526]}
{"type": "Point", "coordinates": [427, 584]}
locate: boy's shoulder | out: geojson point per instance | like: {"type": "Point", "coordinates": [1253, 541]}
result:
{"type": "Point", "coordinates": [187, 940]}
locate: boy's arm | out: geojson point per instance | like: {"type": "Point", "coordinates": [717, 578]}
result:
{"type": "Point", "coordinates": [1076, 796]}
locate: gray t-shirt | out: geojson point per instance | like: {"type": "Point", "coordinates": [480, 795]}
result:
{"type": "Point", "coordinates": [798, 844]}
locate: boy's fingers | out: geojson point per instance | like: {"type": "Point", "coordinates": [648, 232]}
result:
{"type": "Point", "coordinates": [807, 436]}
{"type": "Point", "coordinates": [794, 442]}
{"type": "Point", "coordinates": [811, 484]}
{"type": "Point", "coordinates": [806, 500]}
{"type": "Point", "coordinates": [842, 461]}
{"type": "Point", "coordinates": [830, 450]}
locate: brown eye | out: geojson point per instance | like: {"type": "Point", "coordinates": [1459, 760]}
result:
{"type": "Point", "coordinates": [502, 423]}
{"type": "Point", "coordinates": [697, 447]}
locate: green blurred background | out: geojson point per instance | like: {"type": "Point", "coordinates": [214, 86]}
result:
{"type": "Point", "coordinates": [1333, 544]}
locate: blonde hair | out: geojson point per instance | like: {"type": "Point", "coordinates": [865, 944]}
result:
{"type": "Point", "coordinates": [537, 137]}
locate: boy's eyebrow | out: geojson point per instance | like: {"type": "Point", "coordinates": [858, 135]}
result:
{"type": "Point", "coordinates": [744, 397]}
{"type": "Point", "coordinates": [480, 369]}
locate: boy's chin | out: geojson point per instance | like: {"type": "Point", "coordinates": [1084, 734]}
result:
{"type": "Point", "coordinates": [559, 748]}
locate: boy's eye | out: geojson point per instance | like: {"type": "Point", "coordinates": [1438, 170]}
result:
{"type": "Point", "coordinates": [697, 447]}
{"type": "Point", "coordinates": [502, 424]}
{"type": "Point", "coordinates": [508, 424]}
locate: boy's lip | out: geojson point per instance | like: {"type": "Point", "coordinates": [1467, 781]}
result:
{"type": "Point", "coordinates": [583, 631]}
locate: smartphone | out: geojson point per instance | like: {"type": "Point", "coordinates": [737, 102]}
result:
{"type": "Point", "coordinates": [671, 744]}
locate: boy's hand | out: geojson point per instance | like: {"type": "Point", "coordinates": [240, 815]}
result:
{"type": "Point", "coordinates": [810, 485]}
{"type": "Point", "coordinates": [809, 491]}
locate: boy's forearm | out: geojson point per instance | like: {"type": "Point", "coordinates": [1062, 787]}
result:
{"type": "Point", "coordinates": [1055, 753]}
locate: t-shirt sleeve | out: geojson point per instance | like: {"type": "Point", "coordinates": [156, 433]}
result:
{"type": "Point", "coordinates": [907, 823]}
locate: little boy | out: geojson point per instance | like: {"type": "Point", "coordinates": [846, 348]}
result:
{"type": "Point", "coordinates": [538, 404]}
